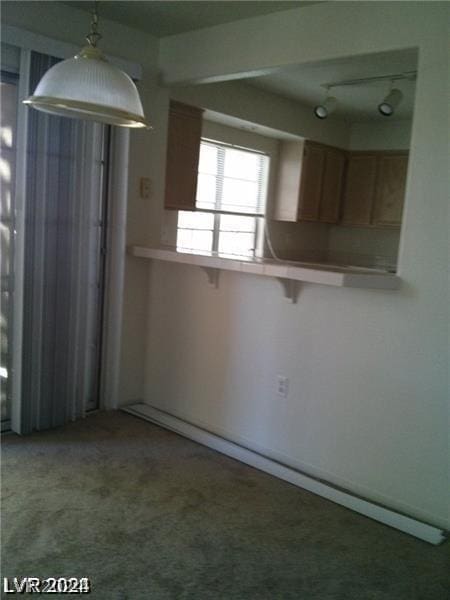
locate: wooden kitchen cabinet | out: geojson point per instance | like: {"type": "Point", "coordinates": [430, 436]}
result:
{"type": "Point", "coordinates": [374, 189]}
{"type": "Point", "coordinates": [309, 182]}
{"type": "Point", "coordinates": [287, 194]}
{"type": "Point", "coordinates": [390, 190]}
{"type": "Point", "coordinates": [313, 166]}
{"type": "Point", "coordinates": [332, 181]}
{"type": "Point", "coordinates": [359, 190]}
{"type": "Point", "coordinates": [183, 149]}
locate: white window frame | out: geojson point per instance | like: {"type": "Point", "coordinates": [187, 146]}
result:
{"type": "Point", "coordinates": [218, 211]}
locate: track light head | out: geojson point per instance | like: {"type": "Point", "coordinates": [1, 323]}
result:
{"type": "Point", "coordinates": [326, 108]}
{"type": "Point", "coordinates": [391, 101]}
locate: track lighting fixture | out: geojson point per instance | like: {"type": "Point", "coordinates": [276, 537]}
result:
{"type": "Point", "coordinates": [326, 108]}
{"type": "Point", "coordinates": [387, 107]}
{"type": "Point", "coordinates": [87, 86]}
{"type": "Point", "coordinates": [391, 101]}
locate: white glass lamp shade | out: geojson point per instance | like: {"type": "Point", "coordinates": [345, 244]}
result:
{"type": "Point", "coordinates": [89, 87]}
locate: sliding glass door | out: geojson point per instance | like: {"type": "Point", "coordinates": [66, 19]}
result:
{"type": "Point", "coordinates": [8, 132]}
{"type": "Point", "coordinates": [61, 231]}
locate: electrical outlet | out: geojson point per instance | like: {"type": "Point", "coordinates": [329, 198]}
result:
{"type": "Point", "coordinates": [145, 188]}
{"type": "Point", "coordinates": [282, 386]}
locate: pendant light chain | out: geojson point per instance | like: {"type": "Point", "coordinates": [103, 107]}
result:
{"type": "Point", "coordinates": [94, 36]}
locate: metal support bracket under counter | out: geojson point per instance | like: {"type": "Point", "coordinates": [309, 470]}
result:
{"type": "Point", "coordinates": [288, 272]}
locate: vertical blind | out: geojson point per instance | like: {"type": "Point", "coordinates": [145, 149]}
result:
{"type": "Point", "coordinates": [63, 267]}
{"type": "Point", "coordinates": [8, 133]}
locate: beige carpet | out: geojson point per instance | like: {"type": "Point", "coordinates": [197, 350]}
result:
{"type": "Point", "coordinates": [147, 514]}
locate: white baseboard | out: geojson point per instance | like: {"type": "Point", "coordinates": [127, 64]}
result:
{"type": "Point", "coordinates": [409, 525]}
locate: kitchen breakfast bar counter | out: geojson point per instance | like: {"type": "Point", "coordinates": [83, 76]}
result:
{"type": "Point", "coordinates": [289, 273]}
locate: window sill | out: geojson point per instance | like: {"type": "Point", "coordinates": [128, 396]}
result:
{"type": "Point", "coordinates": [287, 271]}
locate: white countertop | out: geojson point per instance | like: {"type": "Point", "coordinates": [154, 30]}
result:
{"type": "Point", "coordinates": [343, 276]}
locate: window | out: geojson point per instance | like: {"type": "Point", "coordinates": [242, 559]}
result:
{"type": "Point", "coordinates": [231, 198]}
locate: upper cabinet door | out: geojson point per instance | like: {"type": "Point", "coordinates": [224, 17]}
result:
{"type": "Point", "coordinates": [311, 182]}
{"type": "Point", "coordinates": [183, 149]}
{"type": "Point", "coordinates": [390, 190]}
{"type": "Point", "coordinates": [359, 189]}
{"type": "Point", "coordinates": [288, 181]}
{"type": "Point", "coordinates": [332, 185]}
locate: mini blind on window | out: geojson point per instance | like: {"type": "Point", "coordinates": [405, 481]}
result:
{"type": "Point", "coordinates": [231, 179]}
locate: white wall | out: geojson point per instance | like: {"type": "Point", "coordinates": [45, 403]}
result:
{"type": "Point", "coordinates": [393, 135]}
{"type": "Point", "coordinates": [368, 400]}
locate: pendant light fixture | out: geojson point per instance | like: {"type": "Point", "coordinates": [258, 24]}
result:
{"type": "Point", "coordinates": [88, 86]}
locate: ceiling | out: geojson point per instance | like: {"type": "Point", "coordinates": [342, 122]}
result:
{"type": "Point", "coordinates": [356, 102]}
{"type": "Point", "coordinates": [302, 83]}
{"type": "Point", "coordinates": [168, 17]}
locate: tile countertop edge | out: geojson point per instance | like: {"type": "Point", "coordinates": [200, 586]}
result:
{"type": "Point", "coordinates": [283, 270]}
